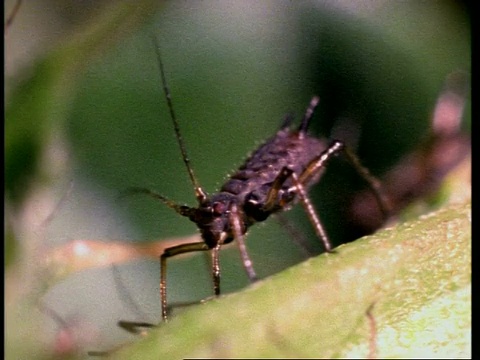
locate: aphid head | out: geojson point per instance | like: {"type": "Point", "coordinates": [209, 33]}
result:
{"type": "Point", "coordinates": [213, 219]}
{"type": "Point", "coordinates": [212, 216]}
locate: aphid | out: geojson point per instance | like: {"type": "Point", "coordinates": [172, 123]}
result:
{"type": "Point", "coordinates": [275, 176]}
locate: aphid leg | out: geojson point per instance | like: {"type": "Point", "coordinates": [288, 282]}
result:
{"type": "Point", "coordinates": [311, 213]}
{"type": "Point", "coordinates": [272, 195]}
{"type": "Point", "coordinates": [169, 252]}
{"type": "Point", "coordinates": [297, 236]}
{"type": "Point", "coordinates": [272, 201]}
{"type": "Point", "coordinates": [237, 230]}
{"type": "Point", "coordinates": [134, 327]}
{"type": "Point", "coordinates": [318, 164]}
{"type": "Point", "coordinates": [126, 295]}
{"type": "Point", "coordinates": [374, 184]}
{"type": "Point", "coordinates": [216, 269]}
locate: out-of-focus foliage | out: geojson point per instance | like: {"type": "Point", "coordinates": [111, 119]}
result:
{"type": "Point", "coordinates": [87, 119]}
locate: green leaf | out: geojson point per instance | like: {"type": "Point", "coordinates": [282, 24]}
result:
{"type": "Point", "coordinates": [415, 275]}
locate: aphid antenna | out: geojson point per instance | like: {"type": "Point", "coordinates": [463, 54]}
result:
{"type": "Point", "coordinates": [199, 193]}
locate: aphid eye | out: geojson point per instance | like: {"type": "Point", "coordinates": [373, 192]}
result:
{"type": "Point", "coordinates": [218, 208]}
{"type": "Point", "coordinates": [252, 199]}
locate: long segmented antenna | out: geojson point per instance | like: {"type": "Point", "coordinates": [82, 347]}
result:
{"type": "Point", "coordinates": [199, 193]}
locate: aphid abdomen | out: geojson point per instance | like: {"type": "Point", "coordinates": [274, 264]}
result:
{"type": "Point", "coordinates": [286, 149]}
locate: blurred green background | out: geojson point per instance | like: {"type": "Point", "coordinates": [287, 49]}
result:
{"type": "Point", "coordinates": [86, 118]}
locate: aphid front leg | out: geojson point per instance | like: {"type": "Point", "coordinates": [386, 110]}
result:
{"type": "Point", "coordinates": [216, 269]}
{"type": "Point", "coordinates": [169, 252]}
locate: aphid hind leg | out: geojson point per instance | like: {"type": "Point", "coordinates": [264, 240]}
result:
{"type": "Point", "coordinates": [169, 252]}
{"type": "Point", "coordinates": [374, 184]}
{"type": "Point", "coordinates": [272, 194]}
{"type": "Point", "coordinates": [311, 213]}
{"type": "Point", "coordinates": [296, 235]}
{"type": "Point", "coordinates": [300, 191]}
{"type": "Point", "coordinates": [318, 164]}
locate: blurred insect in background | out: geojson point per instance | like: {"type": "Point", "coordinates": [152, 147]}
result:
{"type": "Point", "coordinates": [420, 173]}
